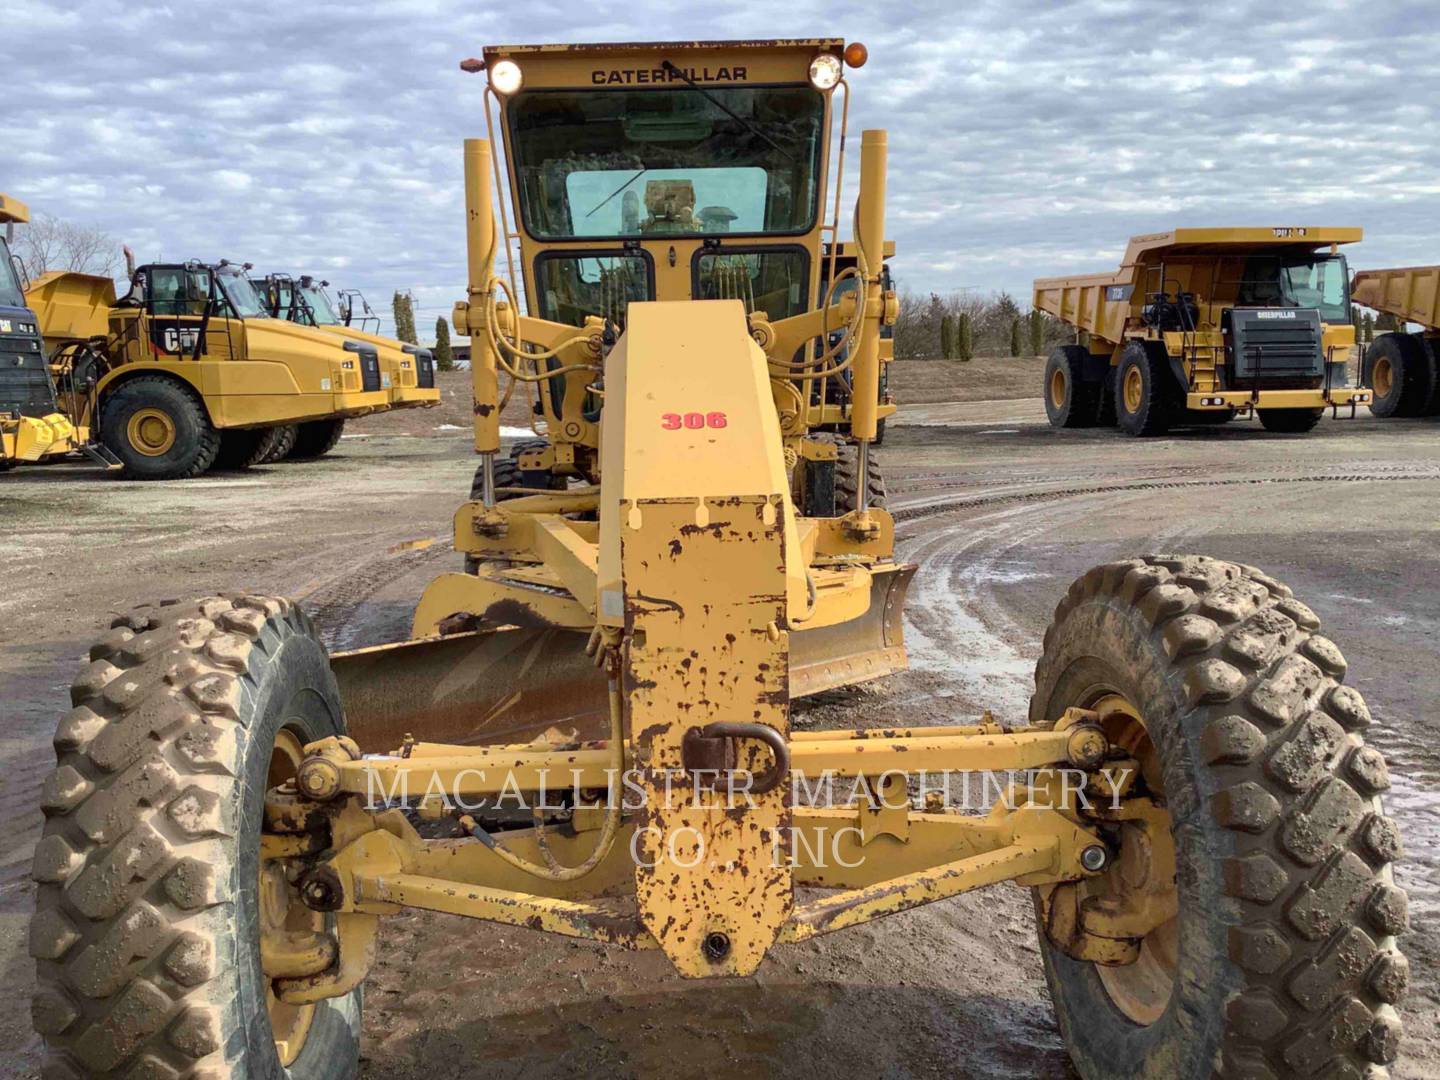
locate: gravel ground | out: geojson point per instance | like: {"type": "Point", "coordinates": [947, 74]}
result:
{"type": "Point", "coordinates": [1000, 512]}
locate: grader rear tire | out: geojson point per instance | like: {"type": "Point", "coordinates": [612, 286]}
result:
{"type": "Point", "coordinates": [145, 934]}
{"type": "Point", "coordinates": [1282, 959]}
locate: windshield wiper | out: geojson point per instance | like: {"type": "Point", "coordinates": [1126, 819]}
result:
{"type": "Point", "coordinates": [746, 124]}
{"type": "Point", "coordinates": [619, 189]}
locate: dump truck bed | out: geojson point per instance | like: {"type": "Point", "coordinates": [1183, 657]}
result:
{"type": "Point", "coordinates": [1411, 293]}
{"type": "Point", "coordinates": [1100, 303]}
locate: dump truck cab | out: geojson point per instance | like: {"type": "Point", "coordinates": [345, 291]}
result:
{"type": "Point", "coordinates": [188, 369]}
{"type": "Point", "coordinates": [696, 172]}
{"type": "Point", "coordinates": [32, 425]}
{"type": "Point", "coordinates": [407, 371]}
{"type": "Point", "coordinates": [1217, 323]}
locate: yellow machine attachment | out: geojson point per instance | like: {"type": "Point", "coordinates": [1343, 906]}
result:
{"type": "Point", "coordinates": [32, 424]}
{"type": "Point", "coordinates": [189, 370]}
{"type": "Point", "coordinates": [1203, 324]}
{"type": "Point", "coordinates": [408, 371]}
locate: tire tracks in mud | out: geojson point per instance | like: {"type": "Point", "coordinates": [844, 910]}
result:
{"type": "Point", "coordinates": [908, 510]}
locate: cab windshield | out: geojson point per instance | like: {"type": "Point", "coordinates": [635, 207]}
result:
{"type": "Point", "coordinates": [1306, 281]}
{"type": "Point", "coordinates": [241, 294]}
{"type": "Point", "coordinates": [11, 295]}
{"type": "Point", "coordinates": [603, 164]}
{"type": "Point", "coordinates": [320, 310]}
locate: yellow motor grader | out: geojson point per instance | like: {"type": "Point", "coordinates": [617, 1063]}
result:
{"type": "Point", "coordinates": [233, 812]}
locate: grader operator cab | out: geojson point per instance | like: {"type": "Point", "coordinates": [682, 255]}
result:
{"type": "Point", "coordinates": [231, 816]}
{"type": "Point", "coordinates": [188, 371]}
{"type": "Point", "coordinates": [1200, 326]}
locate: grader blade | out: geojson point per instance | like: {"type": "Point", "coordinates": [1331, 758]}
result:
{"type": "Point", "coordinates": [851, 652]}
{"type": "Point", "coordinates": [489, 686]}
{"type": "Point", "coordinates": [511, 685]}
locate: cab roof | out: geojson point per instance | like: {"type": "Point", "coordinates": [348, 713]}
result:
{"type": "Point", "coordinates": [628, 65]}
{"type": "Point", "coordinates": [1238, 241]}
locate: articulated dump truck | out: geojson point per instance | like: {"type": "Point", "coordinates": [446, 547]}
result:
{"type": "Point", "coordinates": [188, 371]}
{"type": "Point", "coordinates": [1403, 368]}
{"type": "Point", "coordinates": [32, 426]}
{"type": "Point", "coordinates": [407, 371]}
{"type": "Point", "coordinates": [600, 708]}
{"type": "Point", "coordinates": [1200, 326]}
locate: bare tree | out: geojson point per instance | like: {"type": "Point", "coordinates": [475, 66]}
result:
{"type": "Point", "coordinates": [48, 243]}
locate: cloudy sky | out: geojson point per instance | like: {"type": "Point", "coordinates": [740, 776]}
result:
{"type": "Point", "coordinates": [1026, 138]}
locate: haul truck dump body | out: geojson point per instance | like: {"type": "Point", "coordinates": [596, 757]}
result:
{"type": "Point", "coordinates": [188, 371]}
{"type": "Point", "coordinates": [601, 704]}
{"type": "Point", "coordinates": [1403, 369]}
{"type": "Point", "coordinates": [1201, 325]}
{"type": "Point", "coordinates": [408, 371]}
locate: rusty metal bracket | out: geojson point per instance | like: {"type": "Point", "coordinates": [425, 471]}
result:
{"type": "Point", "coordinates": [710, 751]}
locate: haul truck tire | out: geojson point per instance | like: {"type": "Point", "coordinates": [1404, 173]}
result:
{"type": "Point", "coordinates": [1281, 960]}
{"type": "Point", "coordinates": [242, 449]}
{"type": "Point", "coordinates": [316, 438]}
{"type": "Point", "coordinates": [158, 429]}
{"type": "Point", "coordinates": [1144, 390]}
{"type": "Point", "coordinates": [1289, 421]}
{"type": "Point", "coordinates": [147, 912]}
{"type": "Point", "coordinates": [284, 443]}
{"type": "Point", "coordinates": [1401, 375]}
{"type": "Point", "coordinates": [1070, 401]}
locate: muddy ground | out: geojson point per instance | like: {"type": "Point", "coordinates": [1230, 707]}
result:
{"type": "Point", "coordinates": [1000, 512]}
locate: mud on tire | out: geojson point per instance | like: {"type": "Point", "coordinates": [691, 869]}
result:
{"type": "Point", "coordinates": [1287, 962]}
{"type": "Point", "coordinates": [145, 933]}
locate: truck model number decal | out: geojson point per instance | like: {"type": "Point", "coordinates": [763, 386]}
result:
{"type": "Point", "coordinates": [693, 421]}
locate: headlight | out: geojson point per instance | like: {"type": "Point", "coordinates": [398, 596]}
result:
{"type": "Point", "coordinates": [825, 71]}
{"type": "Point", "coordinates": [505, 77]}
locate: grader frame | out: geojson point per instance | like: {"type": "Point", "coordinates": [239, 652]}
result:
{"type": "Point", "coordinates": [697, 582]}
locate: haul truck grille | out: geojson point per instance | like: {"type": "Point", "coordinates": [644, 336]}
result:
{"type": "Point", "coordinates": [369, 365]}
{"type": "Point", "coordinates": [1275, 346]}
{"type": "Point", "coordinates": [24, 382]}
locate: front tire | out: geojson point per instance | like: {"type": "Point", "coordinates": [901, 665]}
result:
{"type": "Point", "coordinates": [158, 429]}
{"type": "Point", "coordinates": [1289, 421]}
{"type": "Point", "coordinates": [1283, 950]}
{"type": "Point", "coordinates": [1145, 394]}
{"type": "Point", "coordinates": [146, 927]}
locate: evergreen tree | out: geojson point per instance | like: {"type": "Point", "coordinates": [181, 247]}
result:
{"type": "Point", "coordinates": [1015, 336]}
{"type": "Point", "coordinates": [964, 337]}
{"type": "Point", "coordinates": [1037, 331]}
{"type": "Point", "coordinates": [1386, 323]}
{"type": "Point", "coordinates": [444, 355]}
{"type": "Point", "coordinates": [404, 318]}
{"type": "Point", "coordinates": [1368, 325]}
{"type": "Point", "coordinates": [947, 337]}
